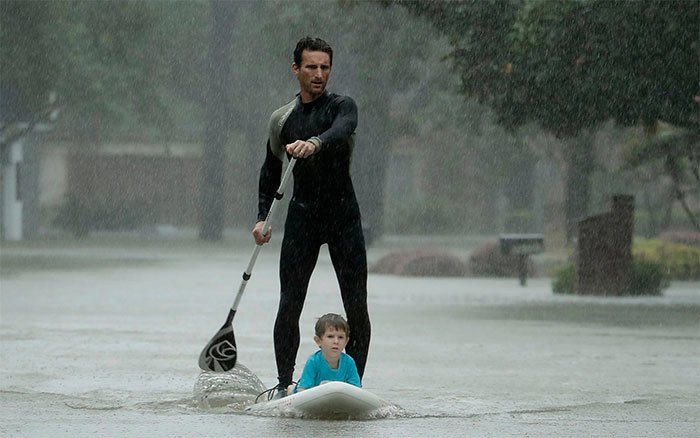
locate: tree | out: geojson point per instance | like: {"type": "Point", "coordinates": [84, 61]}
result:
{"type": "Point", "coordinates": [95, 57]}
{"type": "Point", "coordinates": [677, 152]}
{"type": "Point", "coordinates": [119, 69]}
{"type": "Point", "coordinates": [84, 58]}
{"type": "Point", "coordinates": [576, 73]}
{"type": "Point", "coordinates": [571, 65]}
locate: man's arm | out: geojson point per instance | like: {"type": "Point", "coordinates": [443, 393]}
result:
{"type": "Point", "coordinates": [270, 177]}
{"type": "Point", "coordinates": [343, 125]}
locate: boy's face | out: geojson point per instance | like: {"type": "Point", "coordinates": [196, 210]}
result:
{"type": "Point", "coordinates": [332, 343]}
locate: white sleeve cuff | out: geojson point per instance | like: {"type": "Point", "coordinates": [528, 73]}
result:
{"type": "Point", "coordinates": [316, 142]}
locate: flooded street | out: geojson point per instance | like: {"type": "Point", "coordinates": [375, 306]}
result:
{"type": "Point", "coordinates": [103, 340]}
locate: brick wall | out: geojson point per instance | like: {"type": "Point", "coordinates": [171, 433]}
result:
{"type": "Point", "coordinates": [165, 188]}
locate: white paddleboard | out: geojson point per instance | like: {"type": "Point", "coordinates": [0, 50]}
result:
{"type": "Point", "coordinates": [328, 399]}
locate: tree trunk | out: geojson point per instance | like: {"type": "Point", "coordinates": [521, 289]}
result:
{"type": "Point", "coordinates": [580, 168]}
{"type": "Point", "coordinates": [652, 226]}
{"type": "Point", "coordinates": [673, 168]}
{"type": "Point", "coordinates": [370, 159]}
{"type": "Point", "coordinates": [218, 110]}
{"type": "Point", "coordinates": [519, 189]}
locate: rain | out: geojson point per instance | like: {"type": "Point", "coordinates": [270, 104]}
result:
{"type": "Point", "coordinates": [528, 174]}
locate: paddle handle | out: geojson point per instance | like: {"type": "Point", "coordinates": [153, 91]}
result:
{"type": "Point", "coordinates": [266, 226]}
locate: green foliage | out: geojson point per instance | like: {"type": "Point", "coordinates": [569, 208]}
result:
{"type": "Point", "coordinates": [564, 279]}
{"type": "Point", "coordinates": [480, 33]}
{"type": "Point", "coordinates": [108, 62]}
{"type": "Point", "coordinates": [570, 64]}
{"type": "Point", "coordinates": [675, 152]}
{"type": "Point", "coordinates": [25, 51]}
{"type": "Point", "coordinates": [648, 278]}
{"type": "Point", "coordinates": [679, 261]}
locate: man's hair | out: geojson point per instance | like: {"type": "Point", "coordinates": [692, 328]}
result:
{"type": "Point", "coordinates": [313, 45]}
{"type": "Point", "coordinates": [331, 320]}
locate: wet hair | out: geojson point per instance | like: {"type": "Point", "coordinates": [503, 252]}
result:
{"type": "Point", "coordinates": [313, 45]}
{"type": "Point", "coordinates": [331, 320]}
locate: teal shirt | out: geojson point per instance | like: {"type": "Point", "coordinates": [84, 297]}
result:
{"type": "Point", "coordinates": [317, 370]}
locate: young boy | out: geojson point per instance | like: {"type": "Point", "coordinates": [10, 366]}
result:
{"type": "Point", "coordinates": [329, 363]}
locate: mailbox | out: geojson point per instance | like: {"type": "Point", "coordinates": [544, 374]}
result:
{"type": "Point", "coordinates": [522, 243]}
{"type": "Point", "coordinates": [522, 246]}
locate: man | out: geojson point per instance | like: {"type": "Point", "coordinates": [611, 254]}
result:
{"type": "Point", "coordinates": [317, 128]}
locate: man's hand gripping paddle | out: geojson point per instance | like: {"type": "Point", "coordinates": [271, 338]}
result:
{"type": "Point", "coordinates": [220, 354]}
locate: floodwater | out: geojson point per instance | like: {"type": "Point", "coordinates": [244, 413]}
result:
{"type": "Point", "coordinates": [102, 339]}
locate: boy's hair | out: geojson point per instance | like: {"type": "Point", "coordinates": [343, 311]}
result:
{"type": "Point", "coordinates": [313, 45]}
{"type": "Point", "coordinates": [331, 320]}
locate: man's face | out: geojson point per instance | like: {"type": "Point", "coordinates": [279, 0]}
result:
{"type": "Point", "coordinates": [312, 74]}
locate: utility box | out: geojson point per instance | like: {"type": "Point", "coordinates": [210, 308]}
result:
{"type": "Point", "coordinates": [604, 252]}
{"type": "Point", "coordinates": [12, 192]}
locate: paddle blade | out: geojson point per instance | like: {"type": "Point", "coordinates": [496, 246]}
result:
{"type": "Point", "coordinates": [220, 354]}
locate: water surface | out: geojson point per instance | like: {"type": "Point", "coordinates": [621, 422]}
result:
{"type": "Point", "coordinates": [110, 348]}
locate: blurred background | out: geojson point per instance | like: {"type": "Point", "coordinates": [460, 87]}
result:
{"type": "Point", "coordinates": [476, 117]}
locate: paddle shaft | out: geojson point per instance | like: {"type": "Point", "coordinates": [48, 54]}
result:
{"type": "Point", "coordinates": [266, 226]}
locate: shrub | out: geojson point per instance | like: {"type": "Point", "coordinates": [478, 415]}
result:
{"type": "Point", "coordinates": [564, 279]}
{"type": "Point", "coordinates": [488, 261]}
{"type": "Point", "coordinates": [420, 263]}
{"type": "Point", "coordinates": [645, 226]}
{"type": "Point", "coordinates": [648, 278]}
{"type": "Point", "coordinates": [679, 261]}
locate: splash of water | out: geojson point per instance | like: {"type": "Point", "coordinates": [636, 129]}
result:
{"type": "Point", "coordinates": [232, 390]}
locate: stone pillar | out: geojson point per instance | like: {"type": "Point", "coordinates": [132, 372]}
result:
{"type": "Point", "coordinates": [604, 257]}
{"type": "Point", "coordinates": [30, 186]}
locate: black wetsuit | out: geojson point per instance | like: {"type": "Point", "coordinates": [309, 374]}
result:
{"type": "Point", "coordinates": [323, 209]}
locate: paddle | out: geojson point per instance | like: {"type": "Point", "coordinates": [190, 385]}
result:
{"type": "Point", "coordinates": [220, 354]}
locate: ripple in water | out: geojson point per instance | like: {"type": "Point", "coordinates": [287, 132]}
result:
{"type": "Point", "coordinates": [232, 390]}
